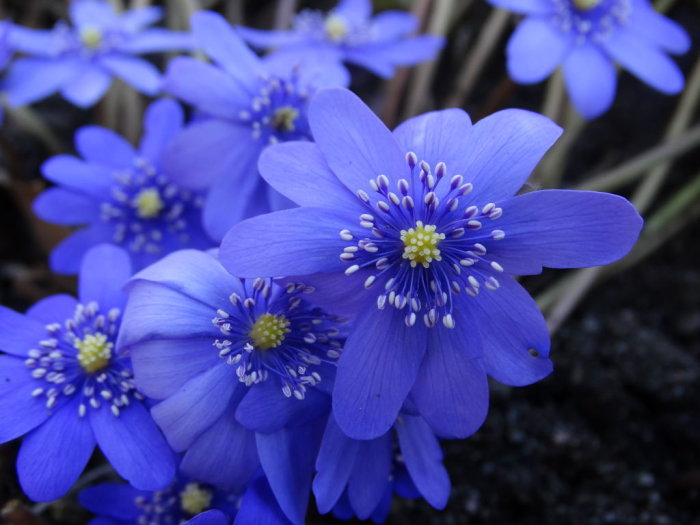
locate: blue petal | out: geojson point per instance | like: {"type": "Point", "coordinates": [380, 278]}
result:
{"type": "Point", "coordinates": [19, 332]}
{"type": "Point", "coordinates": [87, 87]}
{"type": "Point", "coordinates": [390, 25]}
{"type": "Point", "coordinates": [299, 171]}
{"type": "Point", "coordinates": [451, 390]}
{"type": "Point", "coordinates": [371, 475]}
{"type": "Point", "coordinates": [31, 79]}
{"type": "Point", "coordinates": [196, 405]}
{"type": "Point", "coordinates": [39, 42]}
{"type": "Point", "coordinates": [301, 240]}
{"type": "Point", "coordinates": [334, 464]}
{"type": "Point", "coordinates": [92, 13]}
{"type": "Point", "coordinates": [82, 177]}
{"type": "Point", "coordinates": [263, 39]}
{"type": "Point", "coordinates": [383, 57]}
{"type": "Point", "coordinates": [134, 20]}
{"type": "Point", "coordinates": [645, 61]}
{"type": "Point", "coordinates": [134, 446]}
{"type": "Point", "coordinates": [287, 457]}
{"type": "Point", "coordinates": [503, 150]}
{"type": "Point", "coordinates": [259, 506]}
{"type": "Point", "coordinates": [137, 72]}
{"type": "Point", "coordinates": [265, 408]}
{"type": "Point", "coordinates": [354, 10]}
{"type": "Point", "coordinates": [421, 452]}
{"type": "Point", "coordinates": [525, 7]}
{"type": "Point", "coordinates": [53, 455]}
{"type": "Point", "coordinates": [356, 145]}
{"type": "Point", "coordinates": [649, 25]}
{"type": "Point", "coordinates": [115, 500]}
{"type": "Point", "coordinates": [591, 80]}
{"type": "Point", "coordinates": [158, 40]}
{"type": "Point", "coordinates": [378, 366]}
{"type": "Point", "coordinates": [210, 517]}
{"type": "Point", "coordinates": [103, 273]}
{"type": "Point", "coordinates": [55, 308]}
{"type": "Point", "coordinates": [381, 511]}
{"type": "Point", "coordinates": [20, 412]}
{"type": "Point", "coordinates": [536, 48]}
{"type": "Point", "coordinates": [224, 455]}
{"type": "Point", "coordinates": [104, 147]}
{"type": "Point", "coordinates": [65, 258]}
{"type": "Point", "coordinates": [62, 206]}
{"type": "Point", "coordinates": [566, 229]}
{"type": "Point", "coordinates": [319, 68]}
{"type": "Point", "coordinates": [507, 353]}
{"type": "Point", "coordinates": [163, 120]}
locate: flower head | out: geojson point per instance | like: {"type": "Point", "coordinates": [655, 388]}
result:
{"type": "Point", "coordinates": [588, 37]}
{"type": "Point", "coordinates": [418, 233]}
{"type": "Point", "coordinates": [80, 59]}
{"type": "Point", "coordinates": [66, 384]}
{"type": "Point", "coordinates": [247, 103]}
{"type": "Point", "coordinates": [351, 34]}
{"type": "Point", "coordinates": [125, 196]}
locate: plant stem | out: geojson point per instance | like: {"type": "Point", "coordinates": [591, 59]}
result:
{"type": "Point", "coordinates": [555, 96]}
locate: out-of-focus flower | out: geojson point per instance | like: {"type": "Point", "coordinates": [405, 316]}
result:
{"type": "Point", "coordinates": [418, 233]}
{"type": "Point", "coordinates": [248, 103]}
{"type": "Point", "coordinates": [363, 475]}
{"type": "Point", "coordinates": [184, 499]}
{"type": "Point", "coordinates": [66, 384]}
{"type": "Point", "coordinates": [244, 369]}
{"type": "Point", "coordinates": [125, 196]}
{"type": "Point", "coordinates": [5, 51]}
{"type": "Point", "coordinates": [588, 37]}
{"type": "Point", "coordinates": [351, 34]}
{"type": "Point", "coordinates": [80, 59]}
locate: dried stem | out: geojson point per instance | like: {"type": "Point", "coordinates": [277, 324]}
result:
{"type": "Point", "coordinates": [285, 12]}
{"type": "Point", "coordinates": [555, 97]}
{"type": "Point", "coordinates": [29, 121]}
{"type": "Point", "coordinates": [552, 167]}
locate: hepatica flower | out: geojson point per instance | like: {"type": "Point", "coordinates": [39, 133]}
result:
{"type": "Point", "coordinates": [588, 37]}
{"type": "Point", "coordinates": [123, 195]}
{"type": "Point", "coordinates": [243, 368]}
{"type": "Point", "coordinates": [66, 384]}
{"type": "Point", "coordinates": [418, 231]}
{"type": "Point", "coordinates": [80, 59]}
{"type": "Point", "coordinates": [351, 34]}
{"type": "Point", "coordinates": [248, 103]}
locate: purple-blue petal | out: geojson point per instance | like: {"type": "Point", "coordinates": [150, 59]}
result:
{"type": "Point", "coordinates": [116, 500]}
{"type": "Point", "coordinates": [20, 412]}
{"type": "Point", "coordinates": [19, 332]}
{"type": "Point", "coordinates": [536, 48]}
{"type": "Point", "coordinates": [163, 120]}
{"type": "Point", "coordinates": [104, 271]}
{"type": "Point", "coordinates": [591, 80]}
{"type": "Point", "coordinates": [61, 206]}
{"type": "Point", "coordinates": [86, 87]}
{"type": "Point", "coordinates": [158, 40]}
{"type": "Point", "coordinates": [210, 517]}
{"type": "Point", "coordinates": [104, 147]}
{"type": "Point", "coordinates": [137, 72]}
{"type": "Point", "coordinates": [646, 23]}
{"type": "Point", "coordinates": [371, 475]}
{"type": "Point", "coordinates": [30, 79]}
{"type": "Point", "coordinates": [53, 308]}
{"type": "Point", "coordinates": [383, 57]}
{"type": "Point", "coordinates": [259, 506]}
{"type": "Point", "coordinates": [390, 25]}
{"type": "Point", "coordinates": [66, 256]}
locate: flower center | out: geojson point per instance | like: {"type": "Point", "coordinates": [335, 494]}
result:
{"type": "Point", "coordinates": [586, 5]}
{"type": "Point", "coordinates": [269, 330]}
{"type": "Point", "coordinates": [284, 118]}
{"type": "Point", "coordinates": [420, 244]}
{"type": "Point", "coordinates": [194, 499]}
{"type": "Point", "coordinates": [335, 27]}
{"type": "Point", "coordinates": [94, 351]}
{"type": "Point", "coordinates": [91, 37]}
{"type": "Point", "coordinates": [148, 203]}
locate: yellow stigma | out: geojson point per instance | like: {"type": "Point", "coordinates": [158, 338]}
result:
{"type": "Point", "coordinates": [148, 203]}
{"type": "Point", "coordinates": [91, 37]}
{"type": "Point", "coordinates": [284, 118]}
{"type": "Point", "coordinates": [585, 5]}
{"type": "Point", "coordinates": [194, 499]}
{"type": "Point", "coordinates": [336, 28]}
{"type": "Point", "coordinates": [94, 351]}
{"type": "Point", "coordinates": [269, 330]}
{"type": "Point", "coordinates": [420, 244]}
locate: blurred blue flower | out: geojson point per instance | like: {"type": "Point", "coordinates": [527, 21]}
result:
{"type": "Point", "coordinates": [5, 53]}
{"type": "Point", "coordinates": [184, 499]}
{"type": "Point", "coordinates": [248, 103]}
{"type": "Point", "coordinates": [588, 37]}
{"type": "Point", "coordinates": [418, 233]}
{"type": "Point", "coordinates": [362, 476]}
{"type": "Point", "coordinates": [79, 60]}
{"type": "Point", "coordinates": [125, 196]}
{"type": "Point", "coordinates": [244, 369]}
{"type": "Point", "coordinates": [67, 385]}
{"type": "Point", "coordinates": [351, 34]}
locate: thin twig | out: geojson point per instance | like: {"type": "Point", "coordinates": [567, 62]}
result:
{"type": "Point", "coordinates": [555, 97]}
{"type": "Point", "coordinates": [284, 13]}
{"type": "Point", "coordinates": [552, 167]}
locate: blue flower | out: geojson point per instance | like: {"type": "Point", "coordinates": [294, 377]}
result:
{"type": "Point", "coordinates": [350, 34]}
{"type": "Point", "coordinates": [249, 103]}
{"type": "Point", "coordinates": [80, 60]}
{"type": "Point", "coordinates": [362, 475]}
{"type": "Point", "coordinates": [125, 196]}
{"type": "Point", "coordinates": [588, 37]}
{"type": "Point", "coordinates": [244, 369]}
{"type": "Point", "coordinates": [184, 499]}
{"type": "Point", "coordinates": [5, 51]}
{"type": "Point", "coordinates": [418, 233]}
{"type": "Point", "coordinates": [67, 385]}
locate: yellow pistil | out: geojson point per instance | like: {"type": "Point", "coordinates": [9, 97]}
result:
{"type": "Point", "coordinates": [148, 203]}
{"type": "Point", "coordinates": [91, 37]}
{"type": "Point", "coordinates": [194, 499]}
{"type": "Point", "coordinates": [336, 28]}
{"type": "Point", "coordinates": [420, 244]}
{"type": "Point", "coordinates": [94, 351]}
{"type": "Point", "coordinates": [284, 118]}
{"type": "Point", "coordinates": [269, 330]}
{"type": "Point", "coordinates": [585, 5]}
